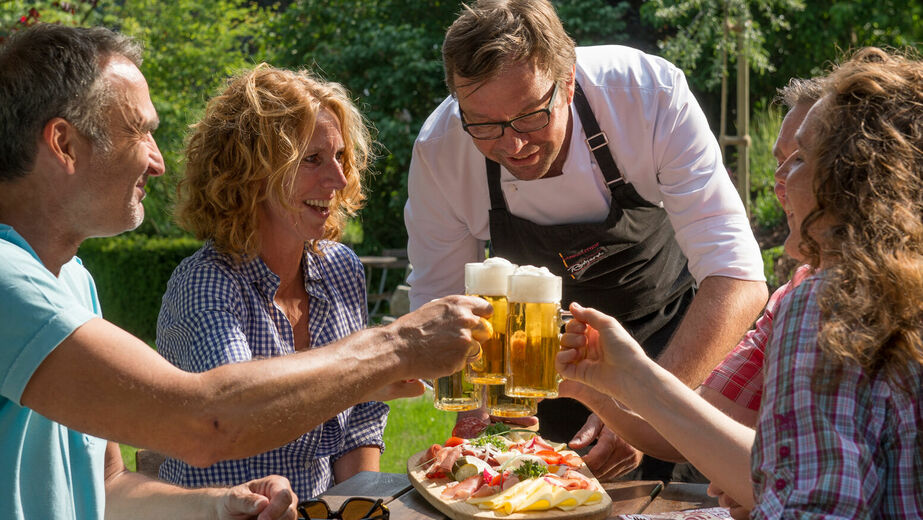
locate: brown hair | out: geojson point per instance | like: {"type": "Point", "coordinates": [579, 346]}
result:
{"type": "Point", "coordinates": [492, 34]}
{"type": "Point", "coordinates": [869, 181]}
{"type": "Point", "coordinates": [247, 147]}
{"type": "Point", "coordinates": [49, 71]}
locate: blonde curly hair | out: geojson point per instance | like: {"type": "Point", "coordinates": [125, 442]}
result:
{"type": "Point", "coordinates": [869, 179]}
{"type": "Point", "coordinates": [246, 150]}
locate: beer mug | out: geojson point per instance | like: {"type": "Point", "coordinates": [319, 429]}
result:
{"type": "Point", "coordinates": [455, 393]}
{"type": "Point", "coordinates": [501, 405]}
{"type": "Point", "coordinates": [489, 280]}
{"type": "Point", "coordinates": [533, 325]}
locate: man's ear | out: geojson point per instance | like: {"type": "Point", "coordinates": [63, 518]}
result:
{"type": "Point", "coordinates": [62, 140]}
{"type": "Point", "coordinates": [571, 84]}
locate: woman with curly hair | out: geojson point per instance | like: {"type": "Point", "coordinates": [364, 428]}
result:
{"type": "Point", "coordinates": [840, 427]}
{"type": "Point", "coordinates": [273, 169]}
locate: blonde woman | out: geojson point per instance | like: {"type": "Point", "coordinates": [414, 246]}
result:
{"type": "Point", "coordinates": [273, 169]}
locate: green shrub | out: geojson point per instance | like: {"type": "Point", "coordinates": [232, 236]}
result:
{"type": "Point", "coordinates": [764, 128]}
{"type": "Point", "coordinates": [771, 257]}
{"type": "Point", "coordinates": [131, 274]}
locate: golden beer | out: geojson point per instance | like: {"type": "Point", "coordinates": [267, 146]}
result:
{"type": "Point", "coordinates": [489, 280]}
{"type": "Point", "coordinates": [455, 393]}
{"type": "Point", "coordinates": [533, 326]}
{"type": "Point", "coordinates": [501, 405]}
{"type": "Point", "coordinates": [490, 367]}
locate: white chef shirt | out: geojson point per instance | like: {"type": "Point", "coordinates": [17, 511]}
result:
{"type": "Point", "coordinates": [659, 138]}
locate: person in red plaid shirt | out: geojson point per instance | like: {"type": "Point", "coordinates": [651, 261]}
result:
{"type": "Point", "coordinates": [838, 433]}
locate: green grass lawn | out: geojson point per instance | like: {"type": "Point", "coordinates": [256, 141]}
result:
{"type": "Point", "coordinates": [413, 425]}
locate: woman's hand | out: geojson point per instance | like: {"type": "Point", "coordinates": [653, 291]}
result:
{"type": "Point", "coordinates": [598, 351]}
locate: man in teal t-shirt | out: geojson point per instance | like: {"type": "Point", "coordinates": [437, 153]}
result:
{"type": "Point", "coordinates": [61, 470]}
{"type": "Point", "coordinates": [76, 150]}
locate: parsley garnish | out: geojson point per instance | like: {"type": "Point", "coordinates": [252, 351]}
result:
{"type": "Point", "coordinates": [495, 429]}
{"type": "Point", "coordinates": [530, 469]}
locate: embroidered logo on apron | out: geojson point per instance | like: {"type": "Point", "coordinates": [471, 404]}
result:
{"type": "Point", "coordinates": [580, 261]}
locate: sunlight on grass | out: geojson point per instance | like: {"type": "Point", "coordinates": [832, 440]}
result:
{"type": "Point", "coordinates": [413, 425]}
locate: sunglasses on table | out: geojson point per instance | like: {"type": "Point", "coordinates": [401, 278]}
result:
{"type": "Point", "coordinates": [356, 508]}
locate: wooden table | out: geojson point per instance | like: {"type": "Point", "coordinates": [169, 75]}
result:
{"type": "Point", "coordinates": [376, 295]}
{"type": "Point", "coordinates": [628, 497]}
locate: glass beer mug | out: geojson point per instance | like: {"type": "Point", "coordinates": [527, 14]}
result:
{"type": "Point", "coordinates": [533, 325]}
{"type": "Point", "coordinates": [501, 405]}
{"type": "Point", "coordinates": [489, 280]}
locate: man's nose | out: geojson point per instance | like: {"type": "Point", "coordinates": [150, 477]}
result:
{"type": "Point", "coordinates": [512, 142]}
{"type": "Point", "coordinates": [156, 165]}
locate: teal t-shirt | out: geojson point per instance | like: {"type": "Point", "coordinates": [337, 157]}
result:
{"type": "Point", "coordinates": [47, 470]}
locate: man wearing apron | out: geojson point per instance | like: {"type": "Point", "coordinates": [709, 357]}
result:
{"type": "Point", "coordinates": [596, 163]}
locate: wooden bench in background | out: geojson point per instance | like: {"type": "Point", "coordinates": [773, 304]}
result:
{"type": "Point", "coordinates": [377, 270]}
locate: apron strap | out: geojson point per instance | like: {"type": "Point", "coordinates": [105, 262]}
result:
{"type": "Point", "coordinates": [596, 139]}
{"type": "Point", "coordinates": [497, 202]}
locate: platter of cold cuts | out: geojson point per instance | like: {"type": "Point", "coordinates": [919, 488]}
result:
{"type": "Point", "coordinates": [506, 473]}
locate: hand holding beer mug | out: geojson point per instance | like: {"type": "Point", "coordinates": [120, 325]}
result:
{"type": "Point", "coordinates": [456, 392]}
{"type": "Point", "coordinates": [533, 325]}
{"type": "Point", "coordinates": [489, 280]}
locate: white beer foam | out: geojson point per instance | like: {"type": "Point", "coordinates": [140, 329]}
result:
{"type": "Point", "coordinates": [534, 284]}
{"type": "Point", "coordinates": [488, 278]}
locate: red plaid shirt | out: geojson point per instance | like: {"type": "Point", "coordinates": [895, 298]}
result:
{"type": "Point", "coordinates": [740, 376]}
{"type": "Point", "coordinates": [834, 440]}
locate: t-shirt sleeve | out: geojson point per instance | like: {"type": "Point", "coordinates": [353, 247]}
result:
{"type": "Point", "coordinates": [37, 313]}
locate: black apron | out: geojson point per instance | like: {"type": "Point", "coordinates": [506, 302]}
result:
{"type": "Point", "coordinates": [628, 266]}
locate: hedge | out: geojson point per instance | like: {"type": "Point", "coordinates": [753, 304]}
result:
{"type": "Point", "coordinates": [131, 274]}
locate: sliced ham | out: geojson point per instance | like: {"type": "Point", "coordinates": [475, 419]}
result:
{"type": "Point", "coordinates": [443, 461]}
{"type": "Point", "coordinates": [462, 490]}
{"type": "Point", "coordinates": [486, 491]}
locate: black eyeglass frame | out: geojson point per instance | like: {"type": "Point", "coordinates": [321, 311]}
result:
{"type": "Point", "coordinates": [338, 514]}
{"type": "Point", "coordinates": [512, 122]}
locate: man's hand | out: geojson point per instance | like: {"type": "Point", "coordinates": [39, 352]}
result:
{"type": "Point", "coordinates": [611, 457]}
{"type": "Point", "coordinates": [400, 389]}
{"type": "Point", "coordinates": [438, 338]}
{"type": "Point", "coordinates": [738, 512]}
{"type": "Point", "coordinates": [472, 422]}
{"type": "Point", "coordinates": [270, 497]}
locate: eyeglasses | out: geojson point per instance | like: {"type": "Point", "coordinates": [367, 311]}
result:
{"type": "Point", "coordinates": [356, 508]}
{"type": "Point", "coordinates": [531, 122]}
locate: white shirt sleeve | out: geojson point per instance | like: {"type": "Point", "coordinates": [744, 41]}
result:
{"type": "Point", "coordinates": [439, 242]}
{"type": "Point", "coordinates": [703, 205]}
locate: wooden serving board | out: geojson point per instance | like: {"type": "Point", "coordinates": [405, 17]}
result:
{"type": "Point", "coordinates": [461, 510]}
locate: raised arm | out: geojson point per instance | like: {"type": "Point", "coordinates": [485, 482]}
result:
{"type": "Point", "coordinates": [600, 353]}
{"type": "Point", "coordinates": [105, 382]}
{"type": "Point", "coordinates": [638, 432]}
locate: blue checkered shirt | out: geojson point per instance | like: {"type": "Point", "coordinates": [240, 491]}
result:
{"type": "Point", "coordinates": [215, 312]}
